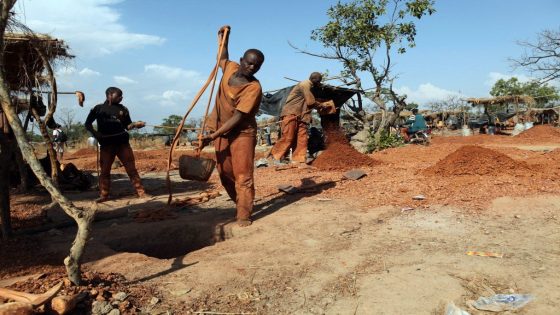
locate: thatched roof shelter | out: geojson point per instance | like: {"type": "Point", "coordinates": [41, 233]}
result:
{"type": "Point", "coordinates": [501, 100]}
{"type": "Point", "coordinates": [25, 55]}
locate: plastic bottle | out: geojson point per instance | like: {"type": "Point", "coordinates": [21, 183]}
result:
{"type": "Point", "coordinates": [502, 302]}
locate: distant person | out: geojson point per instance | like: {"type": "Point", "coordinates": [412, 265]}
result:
{"type": "Point", "coordinates": [59, 139]}
{"type": "Point", "coordinates": [295, 119]}
{"type": "Point", "coordinates": [113, 124]}
{"type": "Point", "coordinates": [234, 126]}
{"type": "Point", "coordinates": [415, 123]}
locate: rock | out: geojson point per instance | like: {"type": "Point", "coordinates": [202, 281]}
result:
{"type": "Point", "coordinates": [120, 296]}
{"type": "Point", "coordinates": [361, 136]}
{"type": "Point", "coordinates": [419, 197]}
{"type": "Point", "coordinates": [67, 282]}
{"type": "Point", "coordinates": [154, 301]}
{"type": "Point", "coordinates": [123, 306]}
{"type": "Point", "coordinates": [114, 312]}
{"type": "Point", "coordinates": [360, 146]}
{"type": "Point", "coordinates": [100, 308]}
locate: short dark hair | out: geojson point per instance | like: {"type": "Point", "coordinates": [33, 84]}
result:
{"type": "Point", "coordinates": [255, 51]}
{"type": "Point", "coordinates": [112, 89]}
{"type": "Point", "coordinates": [415, 110]}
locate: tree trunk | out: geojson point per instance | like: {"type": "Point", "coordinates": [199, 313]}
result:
{"type": "Point", "coordinates": [82, 217]}
{"type": "Point", "coordinates": [5, 155]}
{"type": "Point", "coordinates": [49, 144]}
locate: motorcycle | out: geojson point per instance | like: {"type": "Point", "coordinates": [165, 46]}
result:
{"type": "Point", "coordinates": [419, 137]}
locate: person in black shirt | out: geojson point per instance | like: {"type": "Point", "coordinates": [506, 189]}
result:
{"type": "Point", "coordinates": [113, 123]}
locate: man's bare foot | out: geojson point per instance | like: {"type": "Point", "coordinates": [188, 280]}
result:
{"type": "Point", "coordinates": [101, 199]}
{"type": "Point", "coordinates": [244, 222]}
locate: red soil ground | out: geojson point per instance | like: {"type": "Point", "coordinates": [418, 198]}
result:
{"type": "Point", "coordinates": [340, 155]}
{"type": "Point", "coordinates": [476, 160]}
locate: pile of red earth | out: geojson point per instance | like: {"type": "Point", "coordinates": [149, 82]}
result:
{"type": "Point", "coordinates": [340, 155]}
{"type": "Point", "coordinates": [83, 152]}
{"type": "Point", "coordinates": [476, 160]}
{"type": "Point", "coordinates": [541, 132]}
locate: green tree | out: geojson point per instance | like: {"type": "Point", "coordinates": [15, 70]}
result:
{"type": "Point", "coordinates": [364, 35]}
{"type": "Point", "coordinates": [542, 93]}
{"type": "Point", "coordinates": [170, 124]}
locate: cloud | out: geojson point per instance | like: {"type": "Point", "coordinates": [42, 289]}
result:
{"type": "Point", "coordinates": [425, 93]}
{"type": "Point", "coordinates": [168, 97]}
{"type": "Point", "coordinates": [495, 76]}
{"type": "Point", "coordinates": [124, 80]}
{"type": "Point", "coordinates": [87, 72]}
{"type": "Point", "coordinates": [171, 73]}
{"type": "Point", "coordinates": [92, 27]}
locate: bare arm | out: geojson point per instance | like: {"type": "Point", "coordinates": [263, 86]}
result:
{"type": "Point", "coordinates": [225, 54]}
{"type": "Point", "coordinates": [229, 124]}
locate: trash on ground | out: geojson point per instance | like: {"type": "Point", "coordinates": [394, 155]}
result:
{"type": "Point", "coordinates": [502, 302]}
{"type": "Point", "coordinates": [419, 197]}
{"type": "Point", "coordinates": [261, 163]}
{"type": "Point", "coordinates": [452, 309]}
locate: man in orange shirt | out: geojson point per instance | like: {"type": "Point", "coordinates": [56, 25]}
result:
{"type": "Point", "coordinates": [235, 128]}
{"type": "Point", "coordinates": [296, 117]}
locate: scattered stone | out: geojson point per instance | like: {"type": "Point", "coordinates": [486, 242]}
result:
{"type": "Point", "coordinates": [354, 174]}
{"type": "Point", "coordinates": [114, 312]}
{"type": "Point", "coordinates": [419, 197]}
{"type": "Point", "coordinates": [120, 296]}
{"type": "Point", "coordinates": [517, 216]}
{"type": "Point", "coordinates": [154, 301]}
{"type": "Point", "coordinates": [101, 308]}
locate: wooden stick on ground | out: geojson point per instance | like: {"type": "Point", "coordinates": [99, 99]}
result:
{"type": "Point", "coordinates": [32, 299]}
{"type": "Point", "coordinates": [66, 303]}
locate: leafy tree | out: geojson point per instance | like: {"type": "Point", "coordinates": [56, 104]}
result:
{"type": "Point", "coordinates": [364, 35]}
{"type": "Point", "coordinates": [542, 58]}
{"type": "Point", "coordinates": [170, 123]}
{"type": "Point", "coordinates": [543, 93]}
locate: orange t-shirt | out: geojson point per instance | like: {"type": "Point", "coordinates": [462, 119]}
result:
{"type": "Point", "coordinates": [245, 98]}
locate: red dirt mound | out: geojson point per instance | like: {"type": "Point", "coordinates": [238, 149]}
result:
{"type": "Point", "coordinates": [84, 152]}
{"type": "Point", "coordinates": [541, 132]}
{"type": "Point", "coordinates": [475, 160]}
{"type": "Point", "coordinates": [340, 155]}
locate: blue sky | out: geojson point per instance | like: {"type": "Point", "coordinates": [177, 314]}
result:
{"type": "Point", "coordinates": [160, 52]}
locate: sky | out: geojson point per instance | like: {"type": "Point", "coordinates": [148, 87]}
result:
{"type": "Point", "coordinates": [161, 52]}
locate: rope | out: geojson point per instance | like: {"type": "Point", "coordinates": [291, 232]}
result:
{"type": "Point", "coordinates": [212, 77]}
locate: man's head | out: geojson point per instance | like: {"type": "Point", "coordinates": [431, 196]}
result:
{"type": "Point", "coordinates": [114, 95]}
{"type": "Point", "coordinates": [251, 62]}
{"type": "Point", "coordinates": [415, 111]}
{"type": "Point", "coordinates": [316, 78]}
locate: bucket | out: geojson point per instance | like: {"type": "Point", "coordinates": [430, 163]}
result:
{"type": "Point", "coordinates": [195, 168]}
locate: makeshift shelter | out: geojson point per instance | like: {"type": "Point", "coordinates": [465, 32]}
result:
{"type": "Point", "coordinates": [272, 104]}
{"type": "Point", "coordinates": [25, 58]}
{"type": "Point", "coordinates": [501, 100]}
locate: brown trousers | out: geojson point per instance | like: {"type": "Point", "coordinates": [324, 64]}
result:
{"type": "Point", "coordinates": [235, 156]}
{"type": "Point", "coordinates": [126, 156]}
{"type": "Point", "coordinates": [294, 132]}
